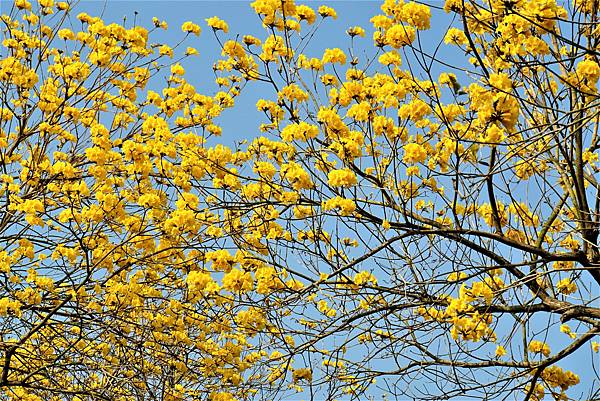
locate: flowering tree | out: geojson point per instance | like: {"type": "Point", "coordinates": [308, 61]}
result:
{"type": "Point", "coordinates": [99, 229]}
{"type": "Point", "coordinates": [405, 224]}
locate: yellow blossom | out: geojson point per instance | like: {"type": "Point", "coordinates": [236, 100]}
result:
{"type": "Point", "coordinates": [190, 27]}
{"type": "Point", "coordinates": [414, 153]}
{"type": "Point", "coordinates": [342, 178]}
{"type": "Point", "coordinates": [356, 31]}
{"type": "Point", "coordinates": [334, 56]}
{"type": "Point", "coordinates": [399, 35]}
{"type": "Point", "coordinates": [345, 206]}
{"type": "Point", "coordinates": [539, 347]}
{"type": "Point", "coordinates": [566, 286]}
{"type": "Point", "coordinates": [217, 24]}
{"type": "Point", "coordinates": [325, 11]}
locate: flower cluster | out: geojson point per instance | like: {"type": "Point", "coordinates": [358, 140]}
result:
{"type": "Point", "coordinates": [341, 178]}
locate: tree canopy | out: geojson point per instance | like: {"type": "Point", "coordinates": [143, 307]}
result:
{"type": "Point", "coordinates": [402, 225]}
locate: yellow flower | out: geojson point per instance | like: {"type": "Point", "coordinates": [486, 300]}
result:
{"type": "Point", "coordinates": [364, 277]}
{"type": "Point", "coordinates": [177, 69]}
{"type": "Point", "coordinates": [84, 18]}
{"type": "Point", "coordinates": [390, 58]}
{"type": "Point", "coordinates": [493, 135]}
{"type": "Point", "coordinates": [589, 157]}
{"type": "Point", "coordinates": [329, 80]}
{"type": "Point", "coordinates": [564, 328]}
{"type": "Point", "coordinates": [566, 286]}
{"type": "Point", "coordinates": [190, 51]}
{"type": "Point", "coordinates": [414, 153]}
{"type": "Point", "coordinates": [233, 49]}
{"type": "Point", "coordinates": [456, 276]}
{"type": "Point", "coordinates": [447, 79]}
{"type": "Point", "coordinates": [238, 281]}
{"type": "Point", "coordinates": [417, 15]}
{"type": "Point", "coordinates": [221, 396]}
{"type": "Point", "coordinates": [296, 175]}
{"type": "Point", "coordinates": [165, 50]}
{"type": "Point", "coordinates": [301, 131]}
{"type": "Point", "coordinates": [381, 22]}
{"type": "Point", "coordinates": [9, 306]}
{"type": "Point", "coordinates": [356, 31]}
{"type": "Point", "coordinates": [198, 281]}
{"type": "Point", "coordinates": [555, 376]}
{"type": "Point", "coordinates": [399, 35]}
{"type": "Point", "coordinates": [345, 206]}
{"type": "Point", "coordinates": [292, 93]}
{"type": "Point", "coordinates": [268, 8]}
{"type": "Point", "coordinates": [500, 81]}
{"type": "Point", "coordinates": [251, 40]}
{"type": "Point", "coordinates": [359, 111]}
{"type": "Point", "coordinates": [292, 25]}
{"type": "Point", "coordinates": [334, 56]}
{"type": "Point", "coordinates": [23, 4]}
{"type": "Point", "coordinates": [325, 12]}
{"type": "Point", "coordinates": [159, 24]}
{"type": "Point", "coordinates": [416, 110]}
{"type": "Point", "coordinates": [342, 178]}
{"type": "Point", "coordinates": [217, 24]}
{"type": "Point", "coordinates": [538, 347]}
{"type": "Point", "coordinates": [500, 351]}
{"type": "Point", "coordinates": [412, 170]}
{"type": "Point", "coordinates": [302, 374]}
{"type": "Point", "coordinates": [251, 320]}
{"type": "Point", "coordinates": [585, 6]}
{"type": "Point", "coordinates": [66, 34]}
{"type": "Point", "coordinates": [305, 13]}
{"type": "Point", "coordinates": [324, 308]}
{"type": "Point", "coordinates": [190, 27]}
{"type": "Point", "coordinates": [455, 36]}
{"type": "Point", "coordinates": [589, 69]}
{"type": "Point", "coordinates": [221, 260]}
{"type": "Point", "coordinates": [570, 243]}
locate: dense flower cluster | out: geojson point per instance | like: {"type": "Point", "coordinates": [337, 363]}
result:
{"type": "Point", "coordinates": [405, 209]}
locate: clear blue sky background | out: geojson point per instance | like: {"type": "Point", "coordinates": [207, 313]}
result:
{"type": "Point", "coordinates": [242, 121]}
